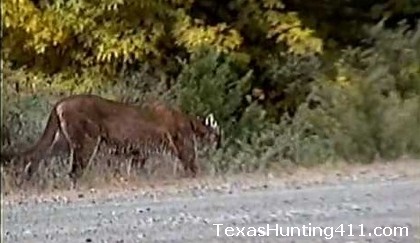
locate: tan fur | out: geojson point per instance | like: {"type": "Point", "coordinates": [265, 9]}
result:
{"type": "Point", "coordinates": [81, 120]}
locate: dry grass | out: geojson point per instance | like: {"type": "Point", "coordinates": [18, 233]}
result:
{"type": "Point", "coordinates": [105, 170]}
{"type": "Point", "coordinates": [156, 186]}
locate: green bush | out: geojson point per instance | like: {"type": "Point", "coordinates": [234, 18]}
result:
{"type": "Point", "coordinates": [213, 82]}
{"type": "Point", "coordinates": [279, 145]}
{"type": "Point", "coordinates": [287, 80]}
{"type": "Point", "coordinates": [367, 108]}
{"type": "Point", "coordinates": [26, 117]}
{"type": "Point", "coordinates": [371, 108]}
{"type": "Point", "coordinates": [24, 110]}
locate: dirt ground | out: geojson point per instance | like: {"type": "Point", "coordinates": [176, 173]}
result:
{"type": "Point", "coordinates": [203, 209]}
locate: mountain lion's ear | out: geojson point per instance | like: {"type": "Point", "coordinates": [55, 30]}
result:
{"type": "Point", "coordinates": [206, 121]}
{"type": "Point", "coordinates": [210, 121]}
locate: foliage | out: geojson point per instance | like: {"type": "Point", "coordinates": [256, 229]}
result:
{"type": "Point", "coordinates": [213, 83]}
{"type": "Point", "coordinates": [287, 82]}
{"type": "Point", "coordinates": [371, 107]}
{"type": "Point", "coordinates": [284, 144]}
{"type": "Point", "coordinates": [72, 35]}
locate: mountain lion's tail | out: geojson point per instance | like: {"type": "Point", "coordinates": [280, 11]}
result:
{"type": "Point", "coordinates": [42, 144]}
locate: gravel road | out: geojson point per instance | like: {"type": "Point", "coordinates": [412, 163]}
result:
{"type": "Point", "coordinates": [384, 197]}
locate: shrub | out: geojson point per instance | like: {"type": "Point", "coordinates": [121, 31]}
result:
{"type": "Point", "coordinates": [213, 82]}
{"type": "Point", "coordinates": [371, 108]}
{"type": "Point", "coordinates": [368, 109]}
{"type": "Point", "coordinates": [277, 145]}
{"type": "Point", "coordinates": [24, 110]}
{"type": "Point", "coordinates": [286, 79]}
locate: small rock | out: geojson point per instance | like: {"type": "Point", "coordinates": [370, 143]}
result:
{"type": "Point", "coordinates": [356, 207]}
{"type": "Point", "coordinates": [287, 201]}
